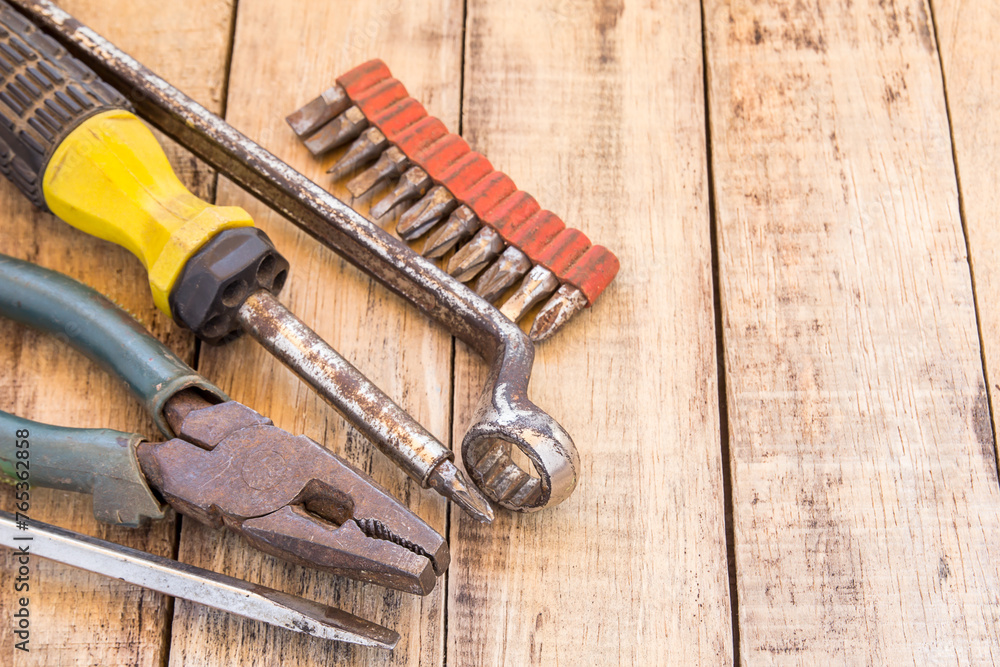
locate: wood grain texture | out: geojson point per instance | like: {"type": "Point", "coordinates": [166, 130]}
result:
{"type": "Point", "coordinates": [79, 618]}
{"type": "Point", "coordinates": [967, 40]}
{"type": "Point", "coordinates": [284, 55]}
{"type": "Point", "coordinates": [865, 484]}
{"type": "Point", "coordinates": [598, 110]}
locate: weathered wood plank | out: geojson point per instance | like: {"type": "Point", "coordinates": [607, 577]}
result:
{"type": "Point", "coordinates": [865, 483]}
{"type": "Point", "coordinates": [284, 55]}
{"type": "Point", "coordinates": [78, 618]}
{"type": "Point", "coordinates": [967, 41]}
{"type": "Point", "coordinates": [598, 110]}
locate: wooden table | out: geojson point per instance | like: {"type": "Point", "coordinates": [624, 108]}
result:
{"type": "Point", "coordinates": [783, 405]}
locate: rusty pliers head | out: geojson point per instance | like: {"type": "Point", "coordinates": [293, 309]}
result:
{"type": "Point", "coordinates": [290, 497]}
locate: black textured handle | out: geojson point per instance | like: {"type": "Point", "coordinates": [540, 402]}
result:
{"type": "Point", "coordinates": [44, 94]}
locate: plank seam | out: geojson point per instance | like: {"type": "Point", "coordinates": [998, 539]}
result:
{"type": "Point", "coordinates": [168, 633]}
{"type": "Point", "coordinates": [720, 350]}
{"type": "Point", "coordinates": [168, 611]}
{"type": "Point", "coordinates": [229, 60]}
{"type": "Point", "coordinates": [965, 234]}
{"type": "Point", "coordinates": [227, 69]}
{"type": "Point", "coordinates": [454, 381]}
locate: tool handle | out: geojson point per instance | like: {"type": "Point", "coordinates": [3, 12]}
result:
{"type": "Point", "coordinates": [45, 95]}
{"type": "Point", "coordinates": [110, 178]}
{"type": "Point", "coordinates": [71, 144]}
{"type": "Point", "coordinates": [86, 320]}
{"type": "Point", "coordinates": [98, 461]}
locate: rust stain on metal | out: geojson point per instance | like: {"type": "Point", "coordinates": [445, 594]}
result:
{"type": "Point", "coordinates": [290, 497]}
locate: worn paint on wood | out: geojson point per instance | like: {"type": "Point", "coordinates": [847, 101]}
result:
{"type": "Point", "coordinates": [598, 110]}
{"type": "Point", "coordinates": [864, 478]}
{"type": "Point", "coordinates": [76, 617]}
{"type": "Point", "coordinates": [284, 55]}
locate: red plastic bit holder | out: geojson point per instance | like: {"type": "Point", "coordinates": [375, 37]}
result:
{"type": "Point", "coordinates": [472, 180]}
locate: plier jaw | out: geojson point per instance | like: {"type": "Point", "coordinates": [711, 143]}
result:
{"type": "Point", "coordinates": [290, 497]}
{"type": "Point", "coordinates": [294, 534]}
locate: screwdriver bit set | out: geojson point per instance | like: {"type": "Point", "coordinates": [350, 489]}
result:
{"type": "Point", "coordinates": [454, 199]}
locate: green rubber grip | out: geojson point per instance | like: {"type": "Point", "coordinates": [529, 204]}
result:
{"type": "Point", "coordinates": [75, 313]}
{"type": "Point", "coordinates": [97, 461]}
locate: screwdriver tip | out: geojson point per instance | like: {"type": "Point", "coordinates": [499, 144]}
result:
{"type": "Point", "coordinates": [320, 620]}
{"type": "Point", "coordinates": [451, 483]}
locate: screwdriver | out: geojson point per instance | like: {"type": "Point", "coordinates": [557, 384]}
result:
{"type": "Point", "coordinates": [193, 583]}
{"type": "Point", "coordinates": [74, 147]}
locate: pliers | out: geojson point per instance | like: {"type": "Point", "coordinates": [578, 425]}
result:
{"type": "Point", "coordinates": [223, 463]}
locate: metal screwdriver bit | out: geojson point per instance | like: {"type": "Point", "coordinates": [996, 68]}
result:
{"type": "Point", "coordinates": [364, 149]}
{"type": "Point", "coordinates": [459, 226]}
{"type": "Point", "coordinates": [538, 284]}
{"type": "Point", "coordinates": [450, 482]}
{"type": "Point", "coordinates": [423, 215]}
{"type": "Point", "coordinates": [390, 164]}
{"type": "Point", "coordinates": [473, 257]}
{"type": "Point", "coordinates": [355, 397]}
{"type": "Point", "coordinates": [566, 303]}
{"type": "Point", "coordinates": [338, 131]}
{"type": "Point", "coordinates": [319, 111]}
{"type": "Point", "coordinates": [504, 272]}
{"type": "Point", "coordinates": [412, 184]}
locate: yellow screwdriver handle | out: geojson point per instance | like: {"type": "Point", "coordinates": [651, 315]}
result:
{"type": "Point", "coordinates": [71, 144]}
{"type": "Point", "coordinates": [110, 178]}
